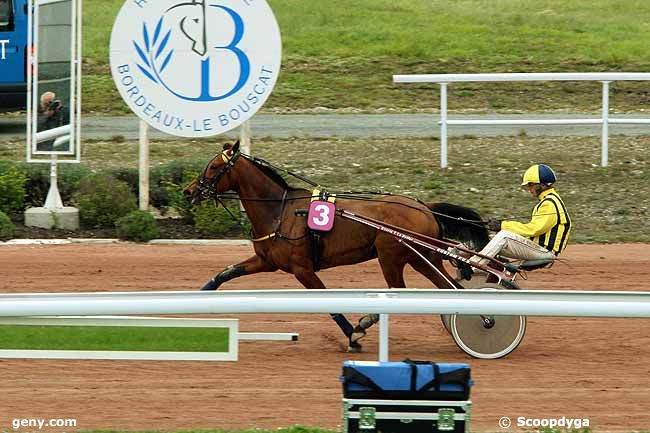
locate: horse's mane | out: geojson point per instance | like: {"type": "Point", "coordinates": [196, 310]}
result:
{"type": "Point", "coordinates": [460, 223]}
{"type": "Point", "coordinates": [271, 173]}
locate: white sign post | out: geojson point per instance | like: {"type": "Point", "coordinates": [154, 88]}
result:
{"type": "Point", "coordinates": [195, 68]}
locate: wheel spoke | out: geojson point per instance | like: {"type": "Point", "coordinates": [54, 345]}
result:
{"type": "Point", "coordinates": [485, 336]}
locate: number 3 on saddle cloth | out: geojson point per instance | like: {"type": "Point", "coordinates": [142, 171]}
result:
{"type": "Point", "coordinates": [320, 220]}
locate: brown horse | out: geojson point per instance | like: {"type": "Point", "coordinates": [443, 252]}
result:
{"type": "Point", "coordinates": [282, 237]}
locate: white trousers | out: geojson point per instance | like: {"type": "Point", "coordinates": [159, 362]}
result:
{"type": "Point", "coordinates": [513, 246]}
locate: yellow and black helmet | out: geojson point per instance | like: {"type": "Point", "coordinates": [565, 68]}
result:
{"type": "Point", "coordinates": [539, 173]}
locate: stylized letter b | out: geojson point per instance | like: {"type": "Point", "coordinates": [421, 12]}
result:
{"type": "Point", "coordinates": [244, 63]}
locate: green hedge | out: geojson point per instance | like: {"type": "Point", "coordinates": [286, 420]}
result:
{"type": "Point", "coordinates": [138, 226]}
{"type": "Point", "coordinates": [212, 220]}
{"type": "Point", "coordinates": [7, 228]}
{"type": "Point", "coordinates": [166, 182]}
{"type": "Point", "coordinates": [106, 197]}
{"type": "Point", "coordinates": [12, 188]}
{"type": "Point", "coordinates": [38, 181]}
{"type": "Point", "coordinates": [102, 200]}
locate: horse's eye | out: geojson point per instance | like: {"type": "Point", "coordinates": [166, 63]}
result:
{"type": "Point", "coordinates": [213, 167]}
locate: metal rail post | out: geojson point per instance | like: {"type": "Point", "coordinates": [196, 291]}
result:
{"type": "Point", "coordinates": [383, 338]}
{"type": "Point", "coordinates": [443, 125]}
{"type": "Point", "coordinates": [604, 151]}
{"type": "Point", "coordinates": [143, 166]}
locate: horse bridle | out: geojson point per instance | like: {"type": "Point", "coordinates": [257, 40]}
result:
{"type": "Point", "coordinates": [207, 187]}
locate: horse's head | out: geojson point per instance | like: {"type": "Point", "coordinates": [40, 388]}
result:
{"type": "Point", "coordinates": [192, 23]}
{"type": "Point", "coordinates": [216, 177]}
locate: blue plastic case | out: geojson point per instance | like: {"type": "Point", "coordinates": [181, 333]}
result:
{"type": "Point", "coordinates": [420, 380]}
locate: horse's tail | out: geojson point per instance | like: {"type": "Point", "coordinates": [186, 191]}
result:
{"type": "Point", "coordinates": [461, 223]}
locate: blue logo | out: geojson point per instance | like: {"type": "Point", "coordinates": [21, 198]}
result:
{"type": "Point", "coordinates": [195, 68]}
{"type": "Point", "coordinates": [189, 24]}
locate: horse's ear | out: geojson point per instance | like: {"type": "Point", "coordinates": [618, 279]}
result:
{"type": "Point", "coordinates": [227, 146]}
{"type": "Point", "coordinates": [235, 147]}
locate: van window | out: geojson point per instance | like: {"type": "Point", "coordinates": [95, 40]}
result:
{"type": "Point", "coordinates": [6, 16]}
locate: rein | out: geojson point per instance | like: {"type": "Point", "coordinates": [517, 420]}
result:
{"type": "Point", "coordinates": [276, 168]}
{"type": "Point", "coordinates": [207, 190]}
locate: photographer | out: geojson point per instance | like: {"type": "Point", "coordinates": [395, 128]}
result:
{"type": "Point", "coordinates": [52, 114]}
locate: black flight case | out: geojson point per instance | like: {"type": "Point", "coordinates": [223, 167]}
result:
{"type": "Point", "coordinates": [405, 397]}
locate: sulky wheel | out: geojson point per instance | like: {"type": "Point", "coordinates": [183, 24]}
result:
{"type": "Point", "coordinates": [486, 337]}
{"type": "Point", "coordinates": [445, 318]}
{"type": "Point", "coordinates": [475, 283]}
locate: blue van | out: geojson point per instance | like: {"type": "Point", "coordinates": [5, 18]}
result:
{"type": "Point", "coordinates": [13, 54]}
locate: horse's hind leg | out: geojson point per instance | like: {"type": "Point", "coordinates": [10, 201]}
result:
{"type": "Point", "coordinates": [393, 273]}
{"type": "Point", "coordinates": [310, 280]}
{"type": "Point", "coordinates": [439, 276]}
{"type": "Point", "coordinates": [249, 266]}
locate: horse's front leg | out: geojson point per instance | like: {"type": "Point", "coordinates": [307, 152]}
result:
{"type": "Point", "coordinates": [252, 265]}
{"type": "Point", "coordinates": [310, 280]}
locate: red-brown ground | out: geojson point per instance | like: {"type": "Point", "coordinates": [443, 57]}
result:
{"type": "Point", "coordinates": [576, 368]}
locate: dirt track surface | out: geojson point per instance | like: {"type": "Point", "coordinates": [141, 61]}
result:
{"type": "Point", "coordinates": [576, 368]}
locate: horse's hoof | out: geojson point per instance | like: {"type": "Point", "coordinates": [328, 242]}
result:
{"type": "Point", "coordinates": [357, 335]}
{"type": "Point", "coordinates": [368, 320]}
{"type": "Point", "coordinates": [210, 285]}
{"type": "Point", "coordinates": [354, 347]}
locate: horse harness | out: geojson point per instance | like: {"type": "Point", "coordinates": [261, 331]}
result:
{"type": "Point", "coordinates": [276, 230]}
{"type": "Point", "coordinates": [207, 186]}
{"type": "Point", "coordinates": [315, 235]}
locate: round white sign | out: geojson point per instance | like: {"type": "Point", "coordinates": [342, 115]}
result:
{"type": "Point", "coordinates": [195, 68]}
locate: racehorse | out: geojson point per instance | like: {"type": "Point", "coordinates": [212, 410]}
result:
{"type": "Point", "coordinates": [281, 237]}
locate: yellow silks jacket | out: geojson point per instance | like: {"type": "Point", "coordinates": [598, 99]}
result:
{"type": "Point", "coordinates": [550, 224]}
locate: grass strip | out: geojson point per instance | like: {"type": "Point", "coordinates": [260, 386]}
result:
{"type": "Point", "coordinates": [113, 338]}
{"type": "Point", "coordinates": [343, 57]}
{"type": "Point", "coordinates": [301, 429]}
{"type": "Point", "coordinates": [293, 429]}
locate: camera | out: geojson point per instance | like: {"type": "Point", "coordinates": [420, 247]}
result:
{"type": "Point", "coordinates": [55, 105]}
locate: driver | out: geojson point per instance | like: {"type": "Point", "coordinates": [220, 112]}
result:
{"type": "Point", "coordinates": [547, 233]}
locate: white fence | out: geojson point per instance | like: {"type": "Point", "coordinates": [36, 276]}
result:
{"type": "Point", "coordinates": [605, 78]}
{"type": "Point", "coordinates": [232, 325]}
{"type": "Point", "coordinates": [382, 301]}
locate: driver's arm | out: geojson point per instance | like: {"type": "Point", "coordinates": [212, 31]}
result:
{"type": "Point", "coordinates": [543, 220]}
